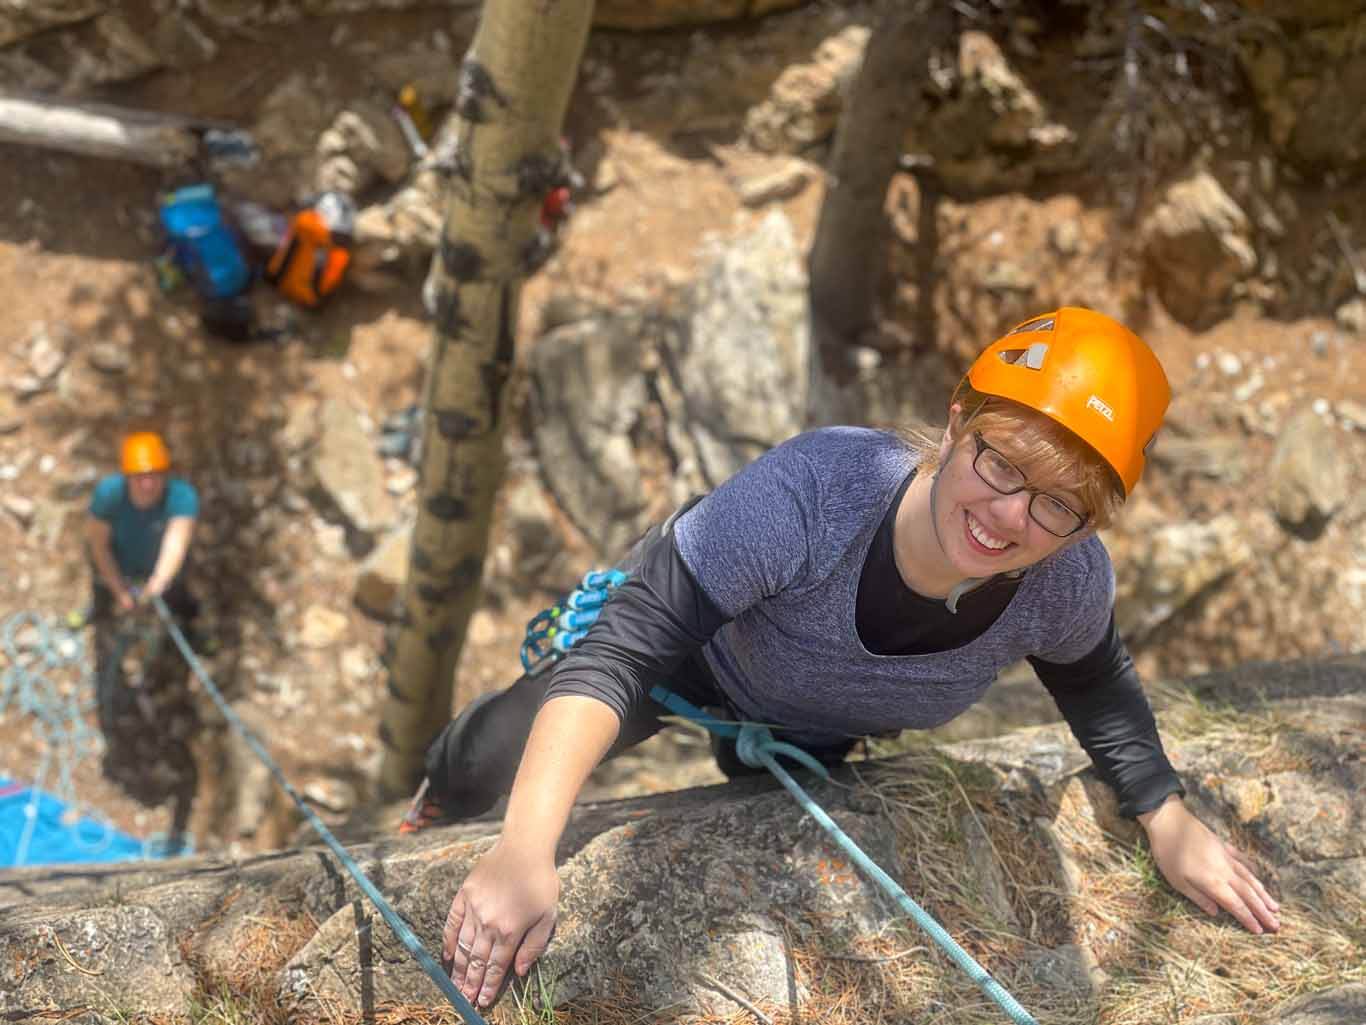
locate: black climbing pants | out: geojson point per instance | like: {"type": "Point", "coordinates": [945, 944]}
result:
{"type": "Point", "coordinates": [472, 762]}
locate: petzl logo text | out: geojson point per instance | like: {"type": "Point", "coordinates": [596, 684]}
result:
{"type": "Point", "coordinates": [1100, 407]}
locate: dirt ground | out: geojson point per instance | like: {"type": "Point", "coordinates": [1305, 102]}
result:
{"type": "Point", "coordinates": [76, 245]}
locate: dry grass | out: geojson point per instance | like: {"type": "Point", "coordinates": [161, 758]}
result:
{"type": "Point", "coordinates": [247, 993]}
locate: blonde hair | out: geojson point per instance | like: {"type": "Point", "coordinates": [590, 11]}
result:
{"type": "Point", "coordinates": [1050, 456]}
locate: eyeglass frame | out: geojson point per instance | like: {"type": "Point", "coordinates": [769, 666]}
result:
{"type": "Point", "coordinates": [1034, 493]}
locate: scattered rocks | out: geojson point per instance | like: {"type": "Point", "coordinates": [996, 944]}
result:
{"type": "Point", "coordinates": [1197, 244]}
{"type": "Point", "coordinates": [1072, 968]}
{"type": "Point", "coordinates": [109, 357]}
{"type": "Point", "coordinates": [322, 627]}
{"type": "Point", "coordinates": [1309, 479]}
{"type": "Point", "coordinates": [1171, 566]}
{"type": "Point", "coordinates": [380, 580]}
{"type": "Point", "coordinates": [349, 475]}
{"type": "Point", "coordinates": [11, 419]}
{"type": "Point", "coordinates": [1351, 316]}
{"type": "Point", "coordinates": [20, 507]}
{"type": "Point", "coordinates": [783, 183]}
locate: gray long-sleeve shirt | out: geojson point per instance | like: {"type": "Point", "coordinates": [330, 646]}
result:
{"type": "Point", "coordinates": [777, 554]}
{"type": "Point", "coordinates": [780, 547]}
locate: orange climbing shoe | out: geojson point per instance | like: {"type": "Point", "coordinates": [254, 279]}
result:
{"type": "Point", "coordinates": [424, 812]}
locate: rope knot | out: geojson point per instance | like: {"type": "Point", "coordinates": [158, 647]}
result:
{"type": "Point", "coordinates": [756, 748]}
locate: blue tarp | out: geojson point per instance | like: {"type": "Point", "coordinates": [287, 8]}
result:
{"type": "Point", "coordinates": [55, 836]}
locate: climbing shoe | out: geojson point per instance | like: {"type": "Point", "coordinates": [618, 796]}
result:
{"type": "Point", "coordinates": [424, 812]}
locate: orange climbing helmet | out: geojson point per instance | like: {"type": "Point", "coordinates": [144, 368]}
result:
{"type": "Point", "coordinates": [1089, 373]}
{"type": "Point", "coordinates": [145, 452]}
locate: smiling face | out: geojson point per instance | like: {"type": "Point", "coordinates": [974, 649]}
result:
{"type": "Point", "coordinates": [981, 531]}
{"type": "Point", "coordinates": [954, 525]}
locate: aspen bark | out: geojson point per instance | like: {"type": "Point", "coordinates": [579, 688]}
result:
{"type": "Point", "coordinates": [514, 86]}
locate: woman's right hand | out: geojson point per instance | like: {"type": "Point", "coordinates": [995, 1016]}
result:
{"type": "Point", "coordinates": [500, 921]}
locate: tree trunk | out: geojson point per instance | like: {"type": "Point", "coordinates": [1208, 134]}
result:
{"type": "Point", "coordinates": [849, 248]}
{"type": "Point", "coordinates": [515, 84]}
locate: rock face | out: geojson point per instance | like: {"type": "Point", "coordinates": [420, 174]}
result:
{"type": "Point", "coordinates": [729, 375]}
{"type": "Point", "coordinates": [685, 904]}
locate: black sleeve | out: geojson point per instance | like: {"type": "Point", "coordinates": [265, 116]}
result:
{"type": "Point", "coordinates": [1103, 702]}
{"type": "Point", "coordinates": [655, 620]}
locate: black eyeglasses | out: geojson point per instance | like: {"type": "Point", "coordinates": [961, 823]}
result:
{"type": "Point", "coordinates": [1048, 511]}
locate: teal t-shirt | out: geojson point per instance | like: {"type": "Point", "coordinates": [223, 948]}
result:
{"type": "Point", "coordinates": [137, 533]}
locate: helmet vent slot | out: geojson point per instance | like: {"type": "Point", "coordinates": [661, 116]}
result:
{"type": "Point", "coordinates": [1037, 324]}
{"type": "Point", "coordinates": [1030, 358]}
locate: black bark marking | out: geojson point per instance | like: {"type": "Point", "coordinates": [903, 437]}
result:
{"type": "Point", "coordinates": [460, 165]}
{"type": "Point", "coordinates": [420, 560]}
{"type": "Point", "coordinates": [469, 572]}
{"type": "Point", "coordinates": [392, 687]}
{"type": "Point", "coordinates": [461, 260]}
{"type": "Point", "coordinates": [449, 320]}
{"type": "Point", "coordinates": [464, 576]}
{"type": "Point", "coordinates": [496, 373]}
{"type": "Point", "coordinates": [495, 376]}
{"type": "Point", "coordinates": [536, 252]}
{"type": "Point", "coordinates": [439, 641]}
{"type": "Point", "coordinates": [507, 343]}
{"type": "Point", "coordinates": [385, 737]}
{"type": "Point", "coordinates": [448, 507]}
{"type": "Point", "coordinates": [474, 87]}
{"type": "Point", "coordinates": [538, 173]}
{"type": "Point", "coordinates": [453, 425]}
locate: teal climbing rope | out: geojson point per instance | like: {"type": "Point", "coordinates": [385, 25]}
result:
{"type": "Point", "coordinates": [757, 748]}
{"type": "Point", "coordinates": [59, 722]}
{"type": "Point", "coordinates": [400, 928]}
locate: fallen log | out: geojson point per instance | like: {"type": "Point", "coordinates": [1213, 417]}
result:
{"type": "Point", "coordinates": [99, 130]}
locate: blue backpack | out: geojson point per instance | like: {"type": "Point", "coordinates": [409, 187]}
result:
{"type": "Point", "coordinates": [203, 246]}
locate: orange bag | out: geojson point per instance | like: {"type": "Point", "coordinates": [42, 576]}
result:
{"type": "Point", "coordinates": [310, 262]}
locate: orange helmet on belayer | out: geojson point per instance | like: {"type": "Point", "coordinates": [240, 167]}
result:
{"type": "Point", "coordinates": [1087, 372]}
{"type": "Point", "coordinates": [145, 452]}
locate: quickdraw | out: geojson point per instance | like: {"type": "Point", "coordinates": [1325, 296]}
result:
{"type": "Point", "coordinates": [553, 631]}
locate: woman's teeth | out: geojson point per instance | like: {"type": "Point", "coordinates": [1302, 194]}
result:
{"type": "Point", "coordinates": [983, 538]}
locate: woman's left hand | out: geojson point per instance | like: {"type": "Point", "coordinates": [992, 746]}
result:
{"type": "Point", "coordinates": [1209, 871]}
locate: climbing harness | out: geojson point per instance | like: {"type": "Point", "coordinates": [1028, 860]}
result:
{"type": "Point", "coordinates": [38, 654]}
{"type": "Point", "coordinates": [551, 633]}
{"type": "Point", "coordinates": [400, 928]}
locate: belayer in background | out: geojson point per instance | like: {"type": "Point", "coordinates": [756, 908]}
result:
{"type": "Point", "coordinates": [848, 583]}
{"type": "Point", "coordinates": [139, 531]}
